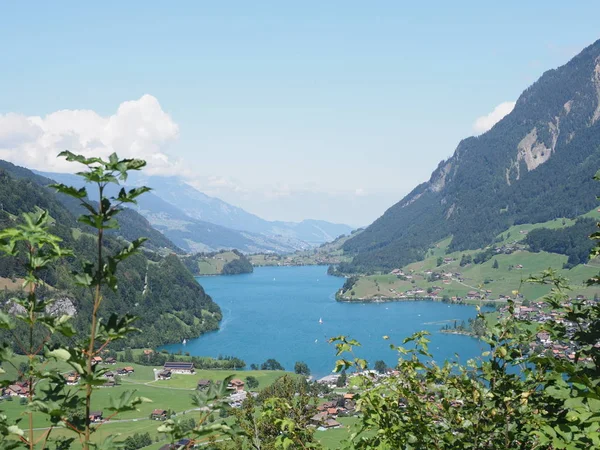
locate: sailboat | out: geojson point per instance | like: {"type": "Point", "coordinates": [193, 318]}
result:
{"type": "Point", "coordinates": [321, 321]}
{"type": "Point", "coordinates": [184, 342]}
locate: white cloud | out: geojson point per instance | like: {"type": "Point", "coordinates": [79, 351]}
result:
{"type": "Point", "coordinates": [360, 192]}
{"type": "Point", "coordinates": [139, 128]}
{"type": "Point", "coordinates": [485, 123]}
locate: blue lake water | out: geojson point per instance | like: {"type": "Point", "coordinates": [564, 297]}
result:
{"type": "Point", "coordinates": [275, 311]}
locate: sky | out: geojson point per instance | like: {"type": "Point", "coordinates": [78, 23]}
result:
{"type": "Point", "coordinates": [291, 110]}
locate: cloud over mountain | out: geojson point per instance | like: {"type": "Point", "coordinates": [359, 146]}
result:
{"type": "Point", "coordinates": [485, 123]}
{"type": "Point", "coordinates": [139, 128]}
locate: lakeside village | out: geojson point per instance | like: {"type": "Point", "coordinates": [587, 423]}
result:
{"type": "Point", "coordinates": [538, 313]}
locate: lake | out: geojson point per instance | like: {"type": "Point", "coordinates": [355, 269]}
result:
{"type": "Point", "coordinates": [275, 311]}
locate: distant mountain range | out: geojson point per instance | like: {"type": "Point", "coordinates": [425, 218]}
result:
{"type": "Point", "coordinates": [197, 222]}
{"type": "Point", "coordinates": [535, 165]}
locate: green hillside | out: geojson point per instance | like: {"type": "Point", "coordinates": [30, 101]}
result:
{"type": "Point", "coordinates": [228, 262]}
{"type": "Point", "coordinates": [493, 273]}
{"type": "Point", "coordinates": [157, 288]}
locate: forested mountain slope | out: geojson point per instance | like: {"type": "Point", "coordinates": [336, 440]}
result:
{"type": "Point", "coordinates": [133, 225]}
{"type": "Point", "coordinates": [534, 165]}
{"type": "Point", "coordinates": [170, 304]}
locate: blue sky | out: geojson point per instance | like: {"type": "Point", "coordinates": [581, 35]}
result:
{"type": "Point", "coordinates": [329, 110]}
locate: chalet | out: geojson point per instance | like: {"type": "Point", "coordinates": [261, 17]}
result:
{"type": "Point", "coordinates": [108, 384]}
{"type": "Point", "coordinates": [331, 423]}
{"type": "Point", "coordinates": [110, 360]}
{"type": "Point", "coordinates": [186, 368]}
{"type": "Point", "coordinates": [164, 375]}
{"type": "Point", "coordinates": [72, 378]}
{"type": "Point", "coordinates": [318, 418]}
{"type": "Point", "coordinates": [96, 360]}
{"type": "Point", "coordinates": [323, 407]}
{"type": "Point", "coordinates": [95, 416]}
{"type": "Point", "coordinates": [236, 384]}
{"type": "Point", "coordinates": [15, 390]}
{"type": "Point", "coordinates": [109, 375]}
{"type": "Point", "coordinates": [203, 384]}
{"type": "Point", "coordinates": [472, 294]}
{"type": "Point", "coordinates": [128, 370]}
{"type": "Point", "coordinates": [158, 414]}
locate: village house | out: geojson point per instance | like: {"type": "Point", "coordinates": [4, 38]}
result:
{"type": "Point", "coordinates": [236, 384]}
{"type": "Point", "coordinates": [203, 384]}
{"type": "Point", "coordinates": [96, 360]}
{"type": "Point", "coordinates": [186, 368]}
{"type": "Point", "coordinates": [110, 360]}
{"type": "Point", "coordinates": [15, 390]}
{"type": "Point", "coordinates": [109, 384]}
{"type": "Point", "coordinates": [158, 414]}
{"type": "Point", "coordinates": [164, 375]}
{"type": "Point", "coordinates": [96, 416]}
{"type": "Point", "coordinates": [72, 378]}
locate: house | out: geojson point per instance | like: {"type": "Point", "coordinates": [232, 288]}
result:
{"type": "Point", "coordinates": [72, 378]}
{"type": "Point", "coordinates": [203, 384]}
{"type": "Point", "coordinates": [95, 416]}
{"type": "Point", "coordinates": [318, 418]}
{"type": "Point", "coordinates": [164, 375]}
{"type": "Point", "coordinates": [109, 375]}
{"type": "Point", "coordinates": [159, 414]}
{"type": "Point", "coordinates": [186, 368]}
{"type": "Point", "coordinates": [109, 383]}
{"type": "Point", "coordinates": [15, 390]}
{"type": "Point", "coordinates": [110, 360]}
{"type": "Point", "coordinates": [96, 360]}
{"type": "Point", "coordinates": [331, 423]}
{"type": "Point", "coordinates": [236, 384]}
{"type": "Point", "coordinates": [128, 370]}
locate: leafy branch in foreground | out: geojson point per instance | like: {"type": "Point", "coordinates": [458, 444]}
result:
{"type": "Point", "coordinates": [102, 273]}
{"type": "Point", "coordinates": [32, 243]}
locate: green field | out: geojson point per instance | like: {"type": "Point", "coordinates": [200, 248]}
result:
{"type": "Point", "coordinates": [174, 394]}
{"type": "Point", "coordinates": [213, 265]}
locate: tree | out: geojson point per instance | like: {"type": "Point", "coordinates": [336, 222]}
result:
{"type": "Point", "coordinates": [380, 366]}
{"type": "Point", "coordinates": [271, 364]}
{"type": "Point", "coordinates": [439, 261]}
{"type": "Point", "coordinates": [128, 355]}
{"type": "Point", "coordinates": [251, 382]}
{"type": "Point", "coordinates": [495, 265]}
{"type": "Point", "coordinates": [342, 379]}
{"type": "Point", "coordinates": [301, 368]}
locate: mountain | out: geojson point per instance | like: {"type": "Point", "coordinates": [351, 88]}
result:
{"type": "Point", "coordinates": [133, 225]}
{"type": "Point", "coordinates": [199, 223]}
{"type": "Point", "coordinates": [169, 302]}
{"type": "Point", "coordinates": [534, 165]}
{"type": "Point", "coordinates": [202, 207]}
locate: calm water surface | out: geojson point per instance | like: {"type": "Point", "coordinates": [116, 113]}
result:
{"type": "Point", "coordinates": [275, 311]}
